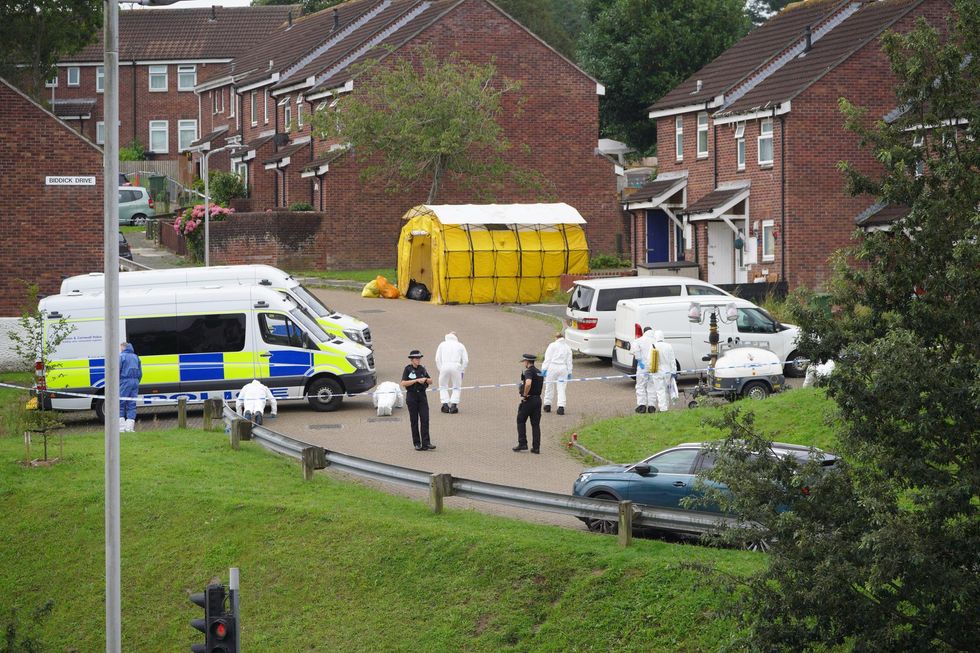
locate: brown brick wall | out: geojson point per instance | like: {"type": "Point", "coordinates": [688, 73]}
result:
{"type": "Point", "coordinates": [283, 239]}
{"type": "Point", "coordinates": [48, 232]}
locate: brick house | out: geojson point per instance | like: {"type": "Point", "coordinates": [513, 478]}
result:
{"type": "Point", "coordinates": [310, 64]}
{"type": "Point", "coordinates": [163, 55]}
{"type": "Point", "coordinates": [50, 226]}
{"type": "Point", "coordinates": [748, 187]}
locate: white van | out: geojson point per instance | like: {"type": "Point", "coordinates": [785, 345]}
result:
{"type": "Point", "coordinates": [202, 343]}
{"type": "Point", "coordinates": [752, 327]}
{"type": "Point", "coordinates": [343, 326]}
{"type": "Point", "coordinates": [591, 308]}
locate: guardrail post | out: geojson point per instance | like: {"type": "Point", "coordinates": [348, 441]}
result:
{"type": "Point", "coordinates": [440, 485]}
{"type": "Point", "coordinates": [625, 523]}
{"type": "Point", "coordinates": [313, 458]}
{"type": "Point", "coordinates": [182, 413]}
{"type": "Point", "coordinates": [241, 429]}
{"type": "Point", "coordinates": [212, 411]}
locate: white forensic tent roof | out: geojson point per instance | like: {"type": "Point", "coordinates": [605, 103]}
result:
{"type": "Point", "coordinates": [558, 213]}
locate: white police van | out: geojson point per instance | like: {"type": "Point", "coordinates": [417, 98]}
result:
{"type": "Point", "coordinates": [201, 343]}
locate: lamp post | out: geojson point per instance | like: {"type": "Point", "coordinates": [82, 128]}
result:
{"type": "Point", "coordinates": [110, 251]}
{"type": "Point", "coordinates": [207, 199]}
{"type": "Point", "coordinates": [695, 315]}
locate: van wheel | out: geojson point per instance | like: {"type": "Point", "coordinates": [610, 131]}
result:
{"type": "Point", "coordinates": [794, 369]}
{"type": "Point", "coordinates": [325, 395]}
{"type": "Point", "coordinates": [755, 390]}
{"type": "Point", "coordinates": [99, 407]}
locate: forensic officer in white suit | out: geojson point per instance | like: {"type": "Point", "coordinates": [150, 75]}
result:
{"type": "Point", "coordinates": [253, 398]}
{"type": "Point", "coordinates": [556, 370]}
{"type": "Point", "coordinates": [451, 360]}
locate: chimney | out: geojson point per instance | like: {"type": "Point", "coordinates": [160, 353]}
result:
{"type": "Point", "coordinates": [336, 19]}
{"type": "Point", "coordinates": [270, 64]}
{"type": "Point", "coordinates": [697, 86]}
{"type": "Point", "coordinates": [809, 39]}
{"type": "Point", "coordinates": [214, 16]}
{"type": "Point", "coordinates": [289, 19]}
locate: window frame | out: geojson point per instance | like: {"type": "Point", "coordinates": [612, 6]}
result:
{"type": "Point", "coordinates": [53, 82]}
{"type": "Point", "coordinates": [299, 111]}
{"type": "Point", "coordinates": [231, 102]}
{"type": "Point", "coordinates": [155, 72]}
{"type": "Point", "coordinates": [100, 129]}
{"type": "Point", "coordinates": [181, 126]}
{"type": "Point", "coordinates": [702, 132]}
{"type": "Point", "coordinates": [255, 108]}
{"type": "Point", "coordinates": [100, 78]}
{"type": "Point", "coordinates": [740, 146]}
{"type": "Point", "coordinates": [679, 138]}
{"type": "Point", "coordinates": [265, 106]}
{"type": "Point", "coordinates": [765, 136]}
{"type": "Point", "coordinates": [770, 226]}
{"type": "Point", "coordinates": [287, 116]}
{"type": "Point", "coordinates": [241, 169]}
{"type": "Point", "coordinates": [166, 135]}
{"type": "Point", "coordinates": [75, 71]}
{"type": "Point", "coordinates": [184, 69]}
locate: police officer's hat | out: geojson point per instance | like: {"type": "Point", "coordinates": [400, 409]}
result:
{"type": "Point", "coordinates": [530, 358]}
{"type": "Point", "coordinates": [415, 353]}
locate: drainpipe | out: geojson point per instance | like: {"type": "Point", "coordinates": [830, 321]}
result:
{"type": "Point", "coordinates": [132, 73]}
{"type": "Point", "coordinates": [782, 197]}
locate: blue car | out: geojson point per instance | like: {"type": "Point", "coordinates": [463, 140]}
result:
{"type": "Point", "coordinates": [663, 479]}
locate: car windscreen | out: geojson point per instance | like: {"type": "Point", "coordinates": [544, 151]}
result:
{"type": "Point", "coordinates": [308, 298]}
{"type": "Point", "coordinates": [581, 299]}
{"type": "Point", "coordinates": [755, 320]}
{"type": "Point", "coordinates": [311, 325]}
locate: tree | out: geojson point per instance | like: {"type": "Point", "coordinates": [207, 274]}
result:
{"type": "Point", "coordinates": [882, 553]}
{"type": "Point", "coordinates": [557, 22]}
{"type": "Point", "coordinates": [426, 123]}
{"type": "Point", "coordinates": [35, 35]}
{"type": "Point", "coordinates": [309, 6]}
{"type": "Point", "coordinates": [760, 11]}
{"type": "Point", "coordinates": [641, 49]}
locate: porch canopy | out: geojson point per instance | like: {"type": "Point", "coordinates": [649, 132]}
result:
{"type": "Point", "coordinates": [479, 253]}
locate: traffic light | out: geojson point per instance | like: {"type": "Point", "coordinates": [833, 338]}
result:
{"type": "Point", "coordinates": [218, 625]}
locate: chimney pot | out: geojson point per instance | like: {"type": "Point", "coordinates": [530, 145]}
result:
{"type": "Point", "coordinates": [809, 39]}
{"type": "Point", "coordinates": [336, 19]}
{"type": "Point", "coordinates": [697, 86]}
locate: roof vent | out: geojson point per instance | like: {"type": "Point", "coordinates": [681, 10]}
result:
{"type": "Point", "coordinates": [270, 64]}
{"type": "Point", "coordinates": [697, 86]}
{"type": "Point", "coordinates": [289, 19]}
{"type": "Point", "coordinates": [336, 19]}
{"type": "Point", "coordinates": [808, 35]}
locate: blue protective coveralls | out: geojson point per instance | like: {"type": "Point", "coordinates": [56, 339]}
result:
{"type": "Point", "coordinates": [130, 373]}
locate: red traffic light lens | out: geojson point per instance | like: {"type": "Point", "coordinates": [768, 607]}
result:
{"type": "Point", "coordinates": [220, 630]}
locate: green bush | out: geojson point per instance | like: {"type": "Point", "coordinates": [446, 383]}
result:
{"type": "Point", "coordinates": [132, 152]}
{"type": "Point", "coordinates": [603, 261]}
{"type": "Point", "coordinates": [300, 206]}
{"type": "Point", "coordinates": [222, 186]}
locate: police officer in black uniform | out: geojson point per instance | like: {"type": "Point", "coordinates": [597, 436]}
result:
{"type": "Point", "coordinates": [530, 389]}
{"type": "Point", "coordinates": [415, 380]}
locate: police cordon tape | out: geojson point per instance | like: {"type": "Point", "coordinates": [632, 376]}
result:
{"type": "Point", "coordinates": [493, 386]}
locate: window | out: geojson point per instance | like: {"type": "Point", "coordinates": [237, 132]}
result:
{"type": "Point", "coordinates": [241, 169]}
{"type": "Point", "coordinates": [100, 79]}
{"type": "Point", "coordinates": [214, 102]}
{"type": "Point", "coordinates": [678, 461]}
{"type": "Point", "coordinates": [740, 145]}
{"type": "Point", "coordinates": [186, 77]}
{"type": "Point", "coordinates": [152, 336]}
{"type": "Point", "coordinates": [231, 102]}
{"type": "Point", "coordinates": [205, 334]}
{"type": "Point", "coordinates": [705, 290]}
{"type": "Point", "coordinates": [679, 137]}
{"type": "Point", "coordinates": [702, 135]}
{"type": "Point", "coordinates": [765, 142]}
{"type": "Point", "coordinates": [100, 132]}
{"type": "Point", "coordinates": [755, 320]}
{"type": "Point", "coordinates": [277, 329]}
{"type": "Point", "coordinates": [918, 142]}
{"type": "Point", "coordinates": [159, 136]}
{"type": "Point", "coordinates": [52, 83]}
{"type": "Point", "coordinates": [299, 112]}
{"type": "Point", "coordinates": [186, 134]}
{"type": "Point", "coordinates": [74, 76]}
{"type": "Point", "coordinates": [158, 79]}
{"type": "Point", "coordinates": [265, 106]}
{"type": "Point", "coordinates": [609, 297]}
{"type": "Point", "coordinates": [221, 100]}
{"type": "Point", "coordinates": [768, 241]}
{"type": "Point", "coordinates": [286, 116]}
{"type": "Point", "coordinates": [255, 108]}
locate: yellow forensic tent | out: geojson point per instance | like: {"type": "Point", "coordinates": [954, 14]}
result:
{"type": "Point", "coordinates": [503, 253]}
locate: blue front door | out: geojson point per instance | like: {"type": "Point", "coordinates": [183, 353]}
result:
{"type": "Point", "coordinates": [658, 238]}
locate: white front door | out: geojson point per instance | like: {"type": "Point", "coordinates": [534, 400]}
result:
{"type": "Point", "coordinates": [721, 253]}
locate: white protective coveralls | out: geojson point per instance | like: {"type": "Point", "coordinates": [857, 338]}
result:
{"type": "Point", "coordinates": [451, 360]}
{"type": "Point", "coordinates": [642, 347]}
{"type": "Point", "coordinates": [387, 396]}
{"type": "Point", "coordinates": [557, 369]}
{"type": "Point", "coordinates": [666, 366]}
{"type": "Point", "coordinates": [253, 398]}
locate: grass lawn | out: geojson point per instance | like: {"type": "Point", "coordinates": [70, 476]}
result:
{"type": "Point", "coordinates": [131, 228]}
{"type": "Point", "coordinates": [352, 275]}
{"type": "Point", "coordinates": [797, 416]}
{"type": "Point", "coordinates": [326, 565]}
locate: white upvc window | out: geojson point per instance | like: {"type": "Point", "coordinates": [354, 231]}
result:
{"type": "Point", "coordinates": [287, 116]}
{"type": "Point", "coordinates": [231, 102]}
{"type": "Point", "coordinates": [740, 145]}
{"type": "Point", "coordinates": [214, 101]}
{"type": "Point", "coordinates": [158, 79]}
{"type": "Point", "coordinates": [100, 79]}
{"type": "Point", "coordinates": [265, 106]}
{"type": "Point", "coordinates": [186, 134]}
{"type": "Point", "coordinates": [159, 136]}
{"type": "Point", "coordinates": [100, 132]}
{"type": "Point", "coordinates": [186, 77]}
{"type": "Point", "coordinates": [299, 111]}
{"type": "Point", "coordinates": [255, 108]}
{"type": "Point", "coordinates": [74, 76]}
{"type": "Point", "coordinates": [702, 135]}
{"type": "Point", "coordinates": [765, 142]}
{"type": "Point", "coordinates": [221, 100]}
{"type": "Point", "coordinates": [241, 169]}
{"type": "Point", "coordinates": [53, 82]}
{"type": "Point", "coordinates": [768, 241]}
{"type": "Point", "coordinates": [679, 138]}
{"type": "Point", "coordinates": [919, 142]}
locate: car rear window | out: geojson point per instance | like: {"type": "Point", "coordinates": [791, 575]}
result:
{"type": "Point", "coordinates": [581, 299]}
{"type": "Point", "coordinates": [609, 297]}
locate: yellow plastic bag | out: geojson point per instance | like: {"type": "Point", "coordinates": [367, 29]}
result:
{"type": "Point", "coordinates": [371, 289]}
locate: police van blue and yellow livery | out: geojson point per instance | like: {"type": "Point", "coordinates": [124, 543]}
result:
{"type": "Point", "coordinates": [203, 343]}
{"type": "Point", "coordinates": [331, 321]}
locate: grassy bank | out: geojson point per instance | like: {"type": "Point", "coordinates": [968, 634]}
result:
{"type": "Point", "coordinates": [796, 416]}
{"type": "Point", "coordinates": [326, 565]}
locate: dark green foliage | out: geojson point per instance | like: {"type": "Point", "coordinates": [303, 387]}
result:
{"type": "Point", "coordinates": [132, 152]}
{"type": "Point", "coordinates": [882, 555]}
{"type": "Point", "coordinates": [641, 49]}
{"type": "Point", "coordinates": [300, 206]}
{"type": "Point", "coordinates": [35, 34]}
{"type": "Point", "coordinates": [760, 11]}
{"type": "Point", "coordinates": [600, 261]}
{"type": "Point", "coordinates": [222, 186]}
{"type": "Point", "coordinates": [557, 22]}
{"type": "Point", "coordinates": [308, 6]}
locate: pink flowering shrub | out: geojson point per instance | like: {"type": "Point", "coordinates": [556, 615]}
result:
{"type": "Point", "coordinates": [190, 224]}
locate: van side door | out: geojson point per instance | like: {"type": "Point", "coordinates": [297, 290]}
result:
{"type": "Point", "coordinates": [213, 354]}
{"type": "Point", "coordinates": [283, 353]}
